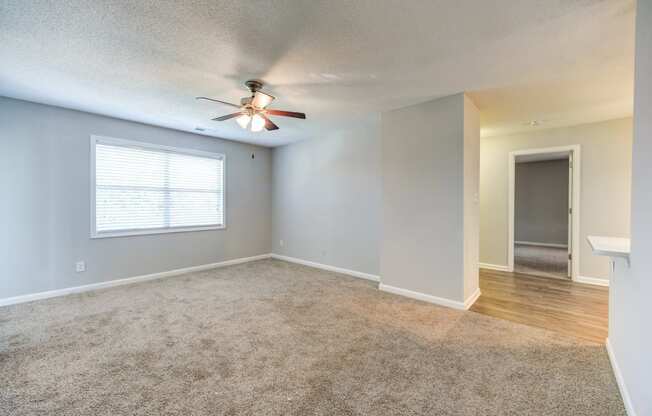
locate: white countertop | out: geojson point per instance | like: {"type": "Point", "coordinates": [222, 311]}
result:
{"type": "Point", "coordinates": [609, 246]}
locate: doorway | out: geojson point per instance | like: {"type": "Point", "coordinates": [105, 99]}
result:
{"type": "Point", "coordinates": [544, 212]}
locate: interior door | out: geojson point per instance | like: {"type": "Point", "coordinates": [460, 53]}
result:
{"type": "Point", "coordinates": [570, 214]}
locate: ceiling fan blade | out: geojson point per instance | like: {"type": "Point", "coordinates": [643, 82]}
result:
{"type": "Point", "coordinates": [269, 124]}
{"type": "Point", "coordinates": [227, 117]}
{"type": "Point", "coordinates": [286, 113]}
{"type": "Point", "coordinates": [261, 100]}
{"type": "Point", "coordinates": [217, 101]}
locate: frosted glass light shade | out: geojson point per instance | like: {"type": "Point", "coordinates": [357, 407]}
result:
{"type": "Point", "coordinates": [257, 123]}
{"type": "Point", "coordinates": [243, 120]}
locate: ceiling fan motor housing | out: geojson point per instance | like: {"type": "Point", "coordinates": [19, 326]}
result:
{"type": "Point", "coordinates": [254, 85]}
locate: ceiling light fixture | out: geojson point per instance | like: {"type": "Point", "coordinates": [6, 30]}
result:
{"type": "Point", "coordinates": [257, 123]}
{"type": "Point", "coordinates": [243, 120]}
{"type": "Point", "coordinates": [252, 112]}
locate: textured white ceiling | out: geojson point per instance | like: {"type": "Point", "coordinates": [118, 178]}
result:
{"type": "Point", "coordinates": [558, 61]}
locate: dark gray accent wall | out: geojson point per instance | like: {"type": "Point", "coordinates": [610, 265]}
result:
{"type": "Point", "coordinates": [541, 202]}
{"type": "Point", "coordinates": [45, 206]}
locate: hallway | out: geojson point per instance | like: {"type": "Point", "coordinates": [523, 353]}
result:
{"type": "Point", "coordinates": [562, 306]}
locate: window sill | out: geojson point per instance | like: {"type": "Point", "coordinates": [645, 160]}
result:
{"type": "Point", "coordinates": [131, 233]}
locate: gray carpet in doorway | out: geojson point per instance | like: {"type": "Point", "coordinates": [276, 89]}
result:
{"type": "Point", "coordinates": [273, 338]}
{"type": "Point", "coordinates": [541, 261]}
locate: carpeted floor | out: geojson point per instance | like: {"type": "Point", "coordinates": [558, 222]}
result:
{"type": "Point", "coordinates": [273, 338]}
{"type": "Point", "coordinates": [541, 261]}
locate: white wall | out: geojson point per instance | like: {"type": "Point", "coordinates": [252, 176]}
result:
{"type": "Point", "coordinates": [605, 186]}
{"type": "Point", "coordinates": [630, 336]}
{"type": "Point", "coordinates": [45, 213]}
{"type": "Point", "coordinates": [427, 151]}
{"type": "Point", "coordinates": [471, 223]}
{"type": "Point", "coordinates": [326, 198]}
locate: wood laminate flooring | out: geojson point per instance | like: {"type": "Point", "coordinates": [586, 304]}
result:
{"type": "Point", "coordinates": [566, 307]}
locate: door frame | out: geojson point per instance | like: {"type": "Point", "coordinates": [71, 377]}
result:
{"type": "Point", "coordinates": [575, 150]}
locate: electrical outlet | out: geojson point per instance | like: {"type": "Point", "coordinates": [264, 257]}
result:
{"type": "Point", "coordinates": [281, 243]}
{"type": "Point", "coordinates": [80, 266]}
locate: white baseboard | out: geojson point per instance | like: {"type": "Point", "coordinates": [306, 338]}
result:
{"type": "Point", "coordinates": [496, 267]}
{"type": "Point", "coordinates": [592, 280]}
{"type": "Point", "coordinates": [471, 299]}
{"type": "Point", "coordinates": [126, 281]}
{"type": "Point", "coordinates": [534, 243]}
{"type": "Point", "coordinates": [432, 299]}
{"type": "Point", "coordinates": [627, 400]}
{"type": "Point", "coordinates": [316, 265]}
{"type": "Point", "coordinates": [386, 288]}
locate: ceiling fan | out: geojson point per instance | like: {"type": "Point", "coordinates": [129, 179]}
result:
{"type": "Point", "coordinates": [253, 112]}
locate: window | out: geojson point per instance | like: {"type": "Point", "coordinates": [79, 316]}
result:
{"type": "Point", "coordinates": [140, 188]}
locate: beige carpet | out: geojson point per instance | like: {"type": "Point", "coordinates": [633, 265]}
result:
{"type": "Point", "coordinates": [541, 261]}
{"type": "Point", "coordinates": [273, 338]}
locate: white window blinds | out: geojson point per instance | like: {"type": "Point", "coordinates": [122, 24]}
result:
{"type": "Point", "coordinates": [142, 188]}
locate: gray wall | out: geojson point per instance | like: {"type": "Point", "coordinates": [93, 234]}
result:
{"type": "Point", "coordinates": [326, 198]}
{"type": "Point", "coordinates": [606, 149]}
{"type": "Point", "coordinates": [424, 201]}
{"type": "Point", "coordinates": [541, 202]}
{"type": "Point", "coordinates": [630, 336]}
{"type": "Point", "coordinates": [44, 213]}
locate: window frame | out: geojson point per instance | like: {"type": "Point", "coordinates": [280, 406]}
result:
{"type": "Point", "coordinates": [94, 234]}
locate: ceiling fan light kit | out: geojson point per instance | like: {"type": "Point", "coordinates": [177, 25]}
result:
{"type": "Point", "coordinates": [243, 120]}
{"type": "Point", "coordinates": [253, 112]}
{"type": "Point", "coordinates": [257, 123]}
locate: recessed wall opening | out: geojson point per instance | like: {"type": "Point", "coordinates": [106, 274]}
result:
{"type": "Point", "coordinates": [542, 214]}
{"type": "Point", "coordinates": [543, 199]}
{"type": "Point", "coordinates": [539, 283]}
